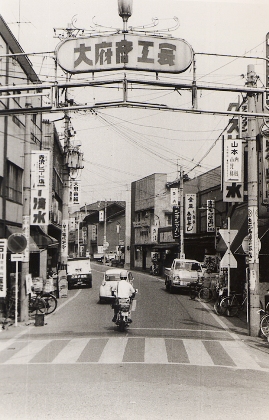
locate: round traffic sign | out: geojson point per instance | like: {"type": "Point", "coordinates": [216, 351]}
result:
{"type": "Point", "coordinates": [17, 242]}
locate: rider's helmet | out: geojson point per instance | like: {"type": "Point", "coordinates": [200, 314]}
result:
{"type": "Point", "coordinates": [123, 275]}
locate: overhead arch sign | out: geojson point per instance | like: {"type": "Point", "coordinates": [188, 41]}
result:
{"type": "Point", "coordinates": [124, 52]}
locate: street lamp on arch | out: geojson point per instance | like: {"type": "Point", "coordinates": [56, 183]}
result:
{"type": "Point", "coordinates": [125, 10]}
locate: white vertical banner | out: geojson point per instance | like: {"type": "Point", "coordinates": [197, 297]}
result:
{"type": "Point", "coordinates": [40, 178]}
{"type": "Point", "coordinates": [190, 213]}
{"type": "Point", "coordinates": [210, 215]}
{"type": "Point", "coordinates": [101, 215]}
{"type": "Point", "coordinates": [253, 240]}
{"type": "Point", "coordinates": [233, 179]}
{"type": "Point", "coordinates": [64, 239]}
{"type": "Point", "coordinates": [174, 196]}
{"type": "Point", "coordinates": [26, 232]}
{"type": "Point", "coordinates": [74, 192]}
{"type": "Point", "coordinates": [3, 270]}
{"type": "Point", "coordinates": [154, 234]}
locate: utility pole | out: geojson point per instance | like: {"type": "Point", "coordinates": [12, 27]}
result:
{"type": "Point", "coordinates": [26, 215]}
{"type": "Point", "coordinates": [181, 212]}
{"type": "Point", "coordinates": [65, 213]}
{"type": "Point", "coordinates": [253, 246]}
{"type": "Point", "coordinates": [104, 241]}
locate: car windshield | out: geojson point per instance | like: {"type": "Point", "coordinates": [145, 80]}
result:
{"type": "Point", "coordinates": [112, 277]}
{"type": "Point", "coordinates": [187, 265]}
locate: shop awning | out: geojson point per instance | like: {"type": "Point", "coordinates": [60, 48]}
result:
{"type": "Point", "coordinates": [42, 239]}
{"type": "Point", "coordinates": [16, 229]}
{"type": "Point", "coordinates": [167, 245]}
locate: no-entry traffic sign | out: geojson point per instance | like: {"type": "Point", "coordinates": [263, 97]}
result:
{"type": "Point", "coordinates": [17, 242]}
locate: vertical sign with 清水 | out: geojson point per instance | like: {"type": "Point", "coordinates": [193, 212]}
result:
{"type": "Point", "coordinates": [210, 215]}
{"type": "Point", "coordinates": [190, 213]}
{"type": "Point", "coordinates": [40, 175]}
{"type": "Point", "coordinates": [3, 263]}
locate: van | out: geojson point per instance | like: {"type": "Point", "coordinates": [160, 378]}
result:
{"type": "Point", "coordinates": [79, 273]}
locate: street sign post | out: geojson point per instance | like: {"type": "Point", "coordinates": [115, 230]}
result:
{"type": "Point", "coordinates": [228, 259]}
{"type": "Point", "coordinates": [16, 243]}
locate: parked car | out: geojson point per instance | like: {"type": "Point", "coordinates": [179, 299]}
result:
{"type": "Point", "coordinates": [79, 272]}
{"type": "Point", "coordinates": [111, 277]}
{"type": "Point", "coordinates": [182, 273]}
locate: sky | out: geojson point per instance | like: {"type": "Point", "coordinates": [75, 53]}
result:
{"type": "Point", "coordinates": [122, 145]}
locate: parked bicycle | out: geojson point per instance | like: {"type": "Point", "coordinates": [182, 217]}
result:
{"type": "Point", "coordinates": [37, 303]}
{"type": "Point", "coordinates": [264, 321]}
{"type": "Point", "coordinates": [51, 302]}
{"type": "Point", "coordinates": [199, 291]}
{"type": "Point", "coordinates": [154, 269]}
{"type": "Point", "coordinates": [221, 293]}
{"type": "Point", "coordinates": [10, 312]}
{"type": "Point", "coordinates": [233, 304]}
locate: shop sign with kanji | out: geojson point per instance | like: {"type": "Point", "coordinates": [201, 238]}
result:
{"type": "Point", "coordinates": [190, 213]}
{"type": "Point", "coordinates": [124, 52]}
{"type": "Point", "coordinates": [74, 192]}
{"type": "Point", "coordinates": [210, 215]}
{"type": "Point", "coordinates": [233, 163]}
{"type": "Point", "coordinates": [40, 167]}
{"type": "Point", "coordinates": [3, 263]}
{"type": "Point", "coordinates": [64, 238]}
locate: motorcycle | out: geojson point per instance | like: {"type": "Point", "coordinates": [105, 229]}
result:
{"type": "Point", "coordinates": [123, 319]}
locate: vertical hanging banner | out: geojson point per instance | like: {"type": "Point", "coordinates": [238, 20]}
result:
{"type": "Point", "coordinates": [64, 239]}
{"type": "Point", "coordinates": [176, 222]}
{"type": "Point", "coordinates": [74, 192]}
{"type": "Point", "coordinates": [174, 196]}
{"type": "Point", "coordinates": [40, 175]}
{"type": "Point", "coordinates": [267, 70]}
{"type": "Point", "coordinates": [233, 186]}
{"type": "Point", "coordinates": [3, 264]}
{"type": "Point", "coordinates": [101, 215]}
{"type": "Point", "coordinates": [265, 169]}
{"type": "Point", "coordinates": [26, 232]}
{"type": "Point", "coordinates": [210, 215]}
{"type": "Point", "coordinates": [190, 213]}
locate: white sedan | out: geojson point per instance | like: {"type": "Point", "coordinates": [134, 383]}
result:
{"type": "Point", "coordinates": [110, 280]}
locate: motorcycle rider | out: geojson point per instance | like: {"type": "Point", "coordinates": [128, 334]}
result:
{"type": "Point", "coordinates": [124, 289]}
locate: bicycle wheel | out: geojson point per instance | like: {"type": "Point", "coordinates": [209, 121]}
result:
{"type": "Point", "coordinates": [40, 305]}
{"type": "Point", "coordinates": [51, 303]}
{"type": "Point", "coordinates": [230, 305]}
{"type": "Point", "coordinates": [205, 294]}
{"type": "Point", "coordinates": [220, 310]}
{"type": "Point", "coordinates": [265, 325]}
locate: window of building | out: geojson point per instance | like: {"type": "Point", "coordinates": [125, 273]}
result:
{"type": "Point", "coordinates": [169, 219]}
{"type": "Point", "coordinates": [14, 183]}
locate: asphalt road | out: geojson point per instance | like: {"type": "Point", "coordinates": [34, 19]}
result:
{"type": "Point", "coordinates": [177, 360]}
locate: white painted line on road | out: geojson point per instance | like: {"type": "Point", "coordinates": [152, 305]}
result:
{"type": "Point", "coordinates": [27, 353]}
{"type": "Point", "coordinates": [179, 329]}
{"type": "Point", "coordinates": [237, 351]}
{"type": "Point", "coordinates": [197, 353]}
{"type": "Point", "coordinates": [220, 322]}
{"type": "Point", "coordinates": [114, 350]}
{"type": "Point", "coordinates": [71, 351]}
{"type": "Point", "coordinates": [155, 351]}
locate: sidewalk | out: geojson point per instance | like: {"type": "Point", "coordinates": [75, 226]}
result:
{"type": "Point", "coordinates": [239, 326]}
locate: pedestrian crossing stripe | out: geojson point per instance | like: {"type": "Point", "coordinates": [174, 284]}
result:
{"type": "Point", "coordinates": [115, 350]}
